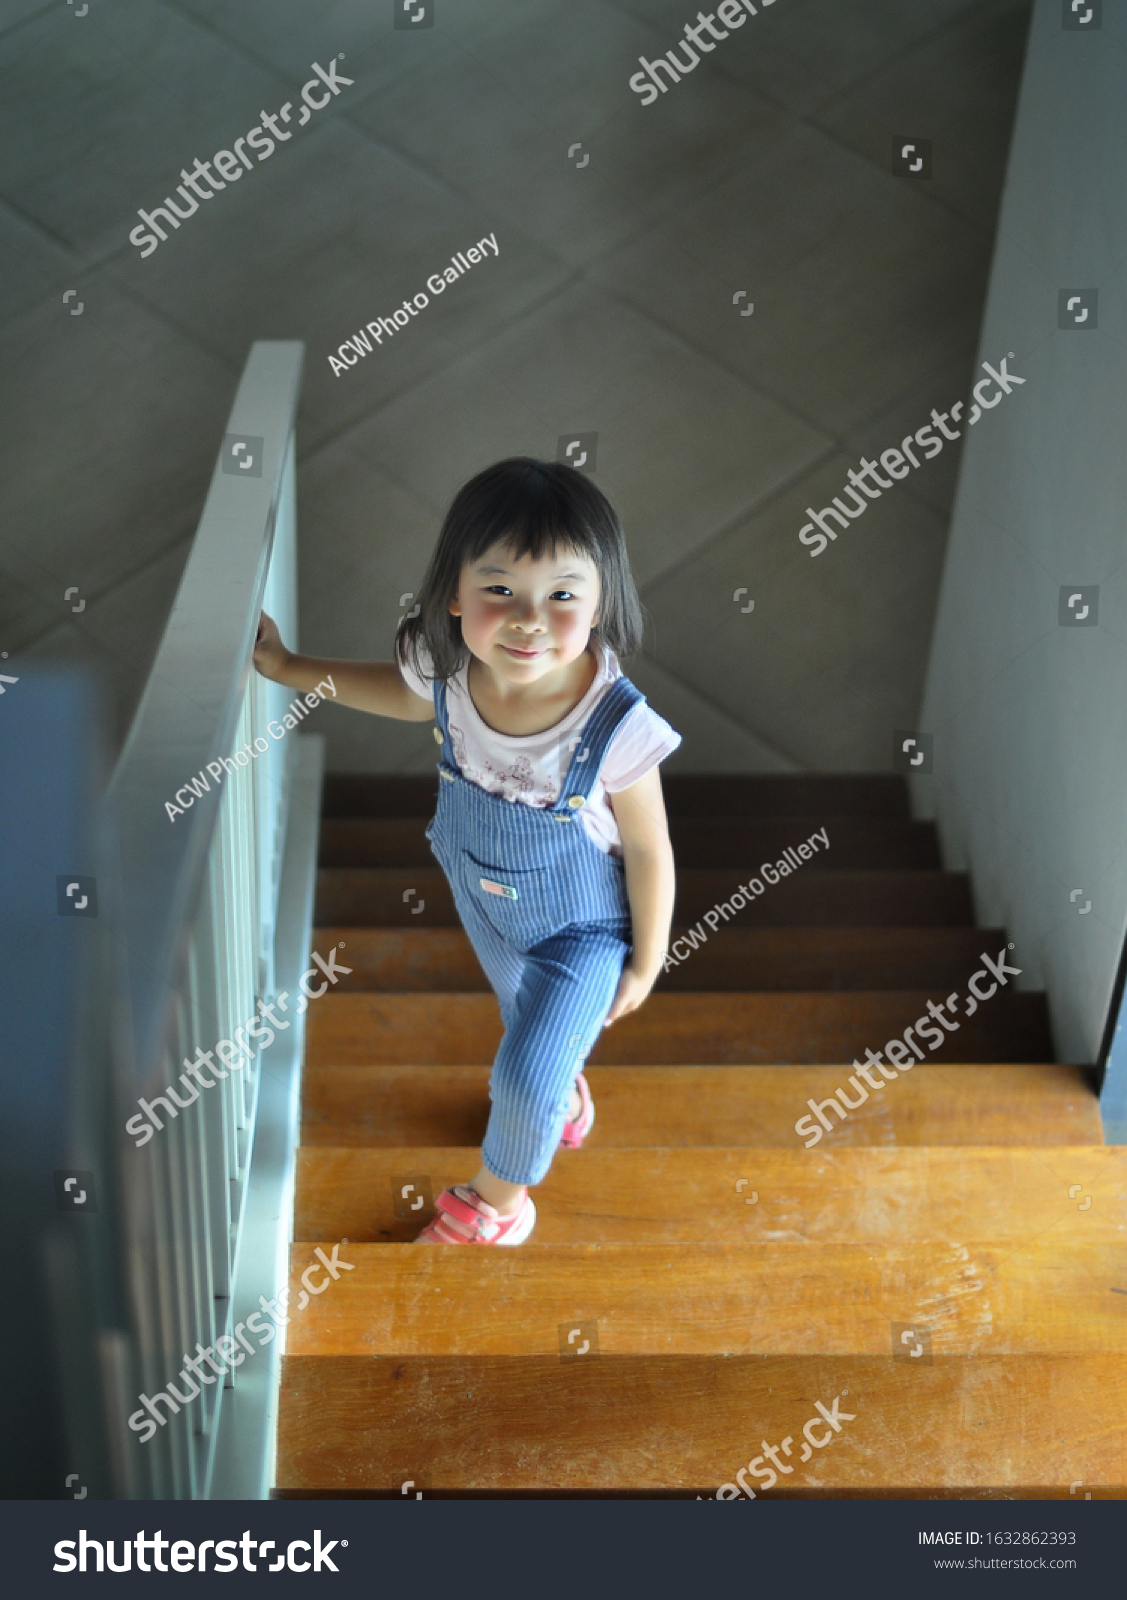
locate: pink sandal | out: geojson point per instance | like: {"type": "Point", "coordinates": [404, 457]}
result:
{"type": "Point", "coordinates": [574, 1133]}
{"type": "Point", "coordinates": [463, 1217]}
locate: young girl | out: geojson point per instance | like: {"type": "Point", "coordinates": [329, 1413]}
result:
{"type": "Point", "coordinates": [550, 823]}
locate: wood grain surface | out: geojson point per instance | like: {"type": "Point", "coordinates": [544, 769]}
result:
{"type": "Point", "coordinates": [964, 1104]}
{"type": "Point", "coordinates": [810, 1298]}
{"type": "Point", "coordinates": [678, 1029]}
{"type": "Point", "coordinates": [999, 1425]}
{"type": "Point", "coordinates": [623, 1196]}
{"type": "Point", "coordinates": [406, 960]}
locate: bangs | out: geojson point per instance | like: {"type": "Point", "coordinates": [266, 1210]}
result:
{"type": "Point", "coordinates": [533, 519]}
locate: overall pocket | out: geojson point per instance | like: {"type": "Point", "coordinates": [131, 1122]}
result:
{"type": "Point", "coordinates": [519, 904]}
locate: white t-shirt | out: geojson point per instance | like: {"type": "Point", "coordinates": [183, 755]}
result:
{"type": "Point", "coordinates": [527, 767]}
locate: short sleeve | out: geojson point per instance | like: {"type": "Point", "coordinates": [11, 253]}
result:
{"type": "Point", "coordinates": [642, 741]}
{"type": "Point", "coordinates": [415, 681]}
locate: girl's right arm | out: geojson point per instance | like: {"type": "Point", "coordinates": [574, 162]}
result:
{"type": "Point", "coordinates": [375, 686]}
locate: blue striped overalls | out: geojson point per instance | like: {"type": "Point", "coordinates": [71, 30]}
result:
{"type": "Point", "coordinates": [547, 913]}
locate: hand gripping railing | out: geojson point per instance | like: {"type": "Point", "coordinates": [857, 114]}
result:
{"type": "Point", "coordinates": [212, 813]}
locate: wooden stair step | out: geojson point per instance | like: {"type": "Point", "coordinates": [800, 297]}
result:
{"type": "Point", "coordinates": [787, 794]}
{"type": "Point", "coordinates": [1029, 1423]}
{"type": "Point", "coordinates": [677, 1029]}
{"type": "Point", "coordinates": [401, 960]}
{"type": "Point", "coordinates": [420, 896]}
{"type": "Point", "coordinates": [753, 1107]}
{"type": "Point", "coordinates": [1054, 1294]}
{"type": "Point", "coordinates": [364, 794]}
{"type": "Point", "coordinates": [854, 842]}
{"type": "Point", "coordinates": [821, 1491]}
{"type": "Point", "coordinates": [878, 794]}
{"type": "Point", "coordinates": [648, 1196]}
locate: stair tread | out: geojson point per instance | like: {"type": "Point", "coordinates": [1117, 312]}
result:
{"type": "Point", "coordinates": [1049, 1293]}
{"type": "Point", "coordinates": [391, 896]}
{"type": "Point", "coordinates": [717, 841]}
{"type": "Point", "coordinates": [781, 794]}
{"type": "Point", "coordinates": [759, 960]}
{"type": "Point", "coordinates": [498, 1423]}
{"type": "Point", "coordinates": [966, 1105]}
{"type": "Point", "coordinates": [655, 1195]}
{"type": "Point", "coordinates": [675, 1029]}
{"type": "Point", "coordinates": [760, 794]}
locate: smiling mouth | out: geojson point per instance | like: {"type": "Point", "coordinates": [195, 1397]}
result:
{"type": "Point", "coordinates": [522, 655]}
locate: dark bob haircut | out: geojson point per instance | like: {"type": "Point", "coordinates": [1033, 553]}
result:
{"type": "Point", "coordinates": [534, 508]}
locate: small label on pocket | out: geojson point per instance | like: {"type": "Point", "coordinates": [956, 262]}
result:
{"type": "Point", "coordinates": [498, 888]}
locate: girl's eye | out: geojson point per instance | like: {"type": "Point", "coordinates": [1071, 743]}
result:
{"type": "Point", "coordinates": [506, 592]}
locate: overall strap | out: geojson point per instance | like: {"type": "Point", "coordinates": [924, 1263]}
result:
{"type": "Point", "coordinates": [447, 766]}
{"type": "Point", "coordinates": [591, 746]}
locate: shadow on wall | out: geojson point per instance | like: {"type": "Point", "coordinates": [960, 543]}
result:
{"type": "Point", "coordinates": [1024, 702]}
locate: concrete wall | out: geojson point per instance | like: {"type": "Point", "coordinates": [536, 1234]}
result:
{"type": "Point", "coordinates": [609, 309]}
{"type": "Point", "coordinates": [1029, 717]}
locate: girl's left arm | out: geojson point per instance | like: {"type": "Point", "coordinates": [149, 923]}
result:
{"type": "Point", "coordinates": [650, 886]}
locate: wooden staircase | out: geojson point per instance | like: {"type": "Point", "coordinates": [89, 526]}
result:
{"type": "Point", "coordinates": [722, 1281]}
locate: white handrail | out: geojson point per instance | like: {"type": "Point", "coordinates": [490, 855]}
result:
{"type": "Point", "coordinates": [199, 810]}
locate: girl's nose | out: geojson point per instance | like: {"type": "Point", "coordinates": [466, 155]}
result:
{"type": "Point", "coordinates": [528, 617]}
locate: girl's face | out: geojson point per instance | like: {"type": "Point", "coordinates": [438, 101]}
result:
{"type": "Point", "coordinates": [525, 619]}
